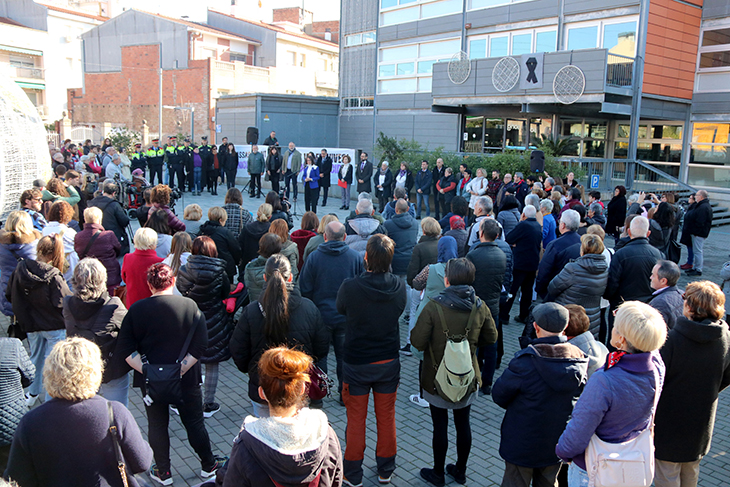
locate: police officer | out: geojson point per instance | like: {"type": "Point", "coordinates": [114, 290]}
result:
{"type": "Point", "coordinates": [174, 163]}
{"type": "Point", "coordinates": [206, 155]}
{"type": "Point", "coordinates": [138, 158]}
{"type": "Point", "coordinates": [155, 159]}
{"type": "Point", "coordinates": [186, 158]}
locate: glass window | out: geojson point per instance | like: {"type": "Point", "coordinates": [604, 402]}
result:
{"type": "Point", "coordinates": [487, 3]}
{"type": "Point", "coordinates": [493, 133]}
{"type": "Point", "coordinates": [709, 176]}
{"type": "Point", "coordinates": [667, 132]}
{"type": "Point", "coordinates": [446, 48]}
{"type": "Point", "coordinates": [400, 16]}
{"type": "Point", "coordinates": [716, 37]}
{"type": "Point", "coordinates": [516, 134]}
{"type": "Point", "coordinates": [572, 129]}
{"type": "Point", "coordinates": [443, 7]}
{"type": "Point", "coordinates": [620, 38]}
{"type": "Point", "coordinates": [596, 130]}
{"type": "Point", "coordinates": [426, 67]}
{"type": "Point", "coordinates": [387, 70]}
{"type": "Point", "coordinates": [473, 131]}
{"type": "Point", "coordinates": [405, 68]}
{"type": "Point", "coordinates": [711, 133]}
{"type": "Point", "coordinates": [424, 84]}
{"type": "Point", "coordinates": [404, 2]}
{"type": "Point", "coordinates": [398, 86]}
{"type": "Point", "coordinates": [368, 37]}
{"type": "Point", "coordinates": [478, 49]}
{"type": "Point", "coordinates": [715, 59]}
{"type": "Point", "coordinates": [499, 46]}
{"type": "Point", "coordinates": [388, 3]}
{"type": "Point", "coordinates": [582, 37]}
{"type": "Point", "coordinates": [594, 148]}
{"type": "Point", "coordinates": [521, 44]}
{"type": "Point", "coordinates": [398, 53]}
{"type": "Point", "coordinates": [625, 130]}
{"type": "Point", "coordinates": [354, 39]}
{"type": "Point", "coordinates": [545, 41]}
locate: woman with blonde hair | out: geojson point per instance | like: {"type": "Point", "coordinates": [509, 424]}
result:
{"type": "Point", "coordinates": [37, 289]}
{"type": "Point", "coordinates": [18, 240]}
{"type": "Point", "coordinates": [66, 441]}
{"type": "Point", "coordinates": [318, 239]}
{"type": "Point", "coordinates": [288, 248]}
{"type": "Point", "coordinates": [630, 383]}
{"type": "Point", "coordinates": [294, 436]}
{"type": "Point", "coordinates": [252, 233]}
{"type": "Point", "coordinates": [192, 215]}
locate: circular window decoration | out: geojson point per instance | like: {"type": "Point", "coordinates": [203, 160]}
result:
{"type": "Point", "coordinates": [506, 74]}
{"type": "Point", "coordinates": [459, 68]}
{"type": "Point", "coordinates": [569, 84]}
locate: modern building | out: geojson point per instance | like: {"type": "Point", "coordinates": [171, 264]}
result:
{"type": "Point", "coordinates": [482, 76]}
{"type": "Point", "coordinates": [40, 48]}
{"type": "Point", "coordinates": [303, 64]}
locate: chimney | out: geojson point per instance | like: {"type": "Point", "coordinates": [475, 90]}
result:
{"type": "Point", "coordinates": [328, 35]}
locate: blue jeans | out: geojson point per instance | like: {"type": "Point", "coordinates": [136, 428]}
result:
{"type": "Point", "coordinates": [117, 390]}
{"type": "Point", "coordinates": [577, 477]}
{"type": "Point", "coordinates": [41, 343]}
{"type": "Point", "coordinates": [197, 172]}
{"type": "Point", "coordinates": [422, 197]}
{"type": "Point", "coordinates": [337, 338]}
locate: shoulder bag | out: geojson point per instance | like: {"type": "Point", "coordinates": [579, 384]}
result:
{"type": "Point", "coordinates": [113, 431]}
{"type": "Point", "coordinates": [88, 245]}
{"type": "Point", "coordinates": [163, 382]}
{"type": "Point", "coordinates": [627, 464]}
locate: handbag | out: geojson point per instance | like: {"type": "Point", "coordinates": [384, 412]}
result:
{"type": "Point", "coordinates": [117, 449]}
{"type": "Point", "coordinates": [121, 293]}
{"type": "Point", "coordinates": [319, 384]}
{"type": "Point", "coordinates": [674, 251]}
{"type": "Point", "coordinates": [16, 331]}
{"type": "Point", "coordinates": [163, 382]}
{"type": "Point", "coordinates": [627, 464]}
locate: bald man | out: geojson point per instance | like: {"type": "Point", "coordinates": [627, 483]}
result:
{"type": "Point", "coordinates": [322, 275]}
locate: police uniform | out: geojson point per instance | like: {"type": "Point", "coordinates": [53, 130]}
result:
{"type": "Point", "coordinates": [138, 158]}
{"type": "Point", "coordinates": [186, 159]}
{"type": "Point", "coordinates": [209, 176]}
{"type": "Point", "coordinates": [174, 164]}
{"type": "Point", "coordinates": [155, 160]}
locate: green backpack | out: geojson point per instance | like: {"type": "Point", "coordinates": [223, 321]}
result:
{"type": "Point", "coordinates": [455, 375]}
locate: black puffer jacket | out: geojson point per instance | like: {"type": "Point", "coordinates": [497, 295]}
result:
{"type": "Point", "coordinates": [204, 280]}
{"type": "Point", "coordinates": [582, 282]}
{"type": "Point", "coordinates": [490, 262]}
{"type": "Point", "coordinates": [630, 272]}
{"type": "Point", "coordinates": [248, 342]}
{"type": "Point", "coordinates": [249, 242]}
{"type": "Point", "coordinates": [228, 248]}
{"type": "Point", "coordinates": [36, 291]}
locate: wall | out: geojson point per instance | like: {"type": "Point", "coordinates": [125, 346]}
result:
{"type": "Point", "coordinates": [713, 9]}
{"type": "Point", "coordinates": [27, 12]}
{"type": "Point", "coordinates": [266, 53]}
{"type": "Point", "coordinates": [131, 95]}
{"type": "Point", "coordinates": [319, 29]}
{"type": "Point", "coordinates": [671, 48]}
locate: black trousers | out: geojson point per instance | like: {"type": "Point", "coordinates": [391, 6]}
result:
{"type": "Point", "coordinates": [255, 186]}
{"type": "Point", "coordinates": [440, 443]}
{"type": "Point", "coordinates": [179, 171]}
{"type": "Point", "coordinates": [311, 197]}
{"type": "Point", "coordinates": [155, 169]}
{"type": "Point", "coordinates": [212, 175]}
{"type": "Point", "coordinates": [523, 281]}
{"type": "Point", "coordinates": [274, 178]}
{"type": "Point", "coordinates": [289, 178]}
{"type": "Point", "coordinates": [191, 415]}
{"type": "Point", "coordinates": [325, 194]}
{"type": "Point", "coordinates": [231, 178]}
{"type": "Point", "coordinates": [190, 178]}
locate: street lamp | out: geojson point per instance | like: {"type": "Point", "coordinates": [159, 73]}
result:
{"type": "Point", "coordinates": [192, 118]}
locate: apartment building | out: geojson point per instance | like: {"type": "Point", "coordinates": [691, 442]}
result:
{"type": "Point", "coordinates": [482, 76]}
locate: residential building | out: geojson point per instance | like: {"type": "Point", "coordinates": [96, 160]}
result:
{"type": "Point", "coordinates": [41, 50]}
{"type": "Point", "coordinates": [545, 68]}
{"type": "Point", "coordinates": [304, 64]}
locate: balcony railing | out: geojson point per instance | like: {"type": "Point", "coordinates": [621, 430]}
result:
{"type": "Point", "coordinates": [619, 70]}
{"type": "Point", "coordinates": [21, 72]}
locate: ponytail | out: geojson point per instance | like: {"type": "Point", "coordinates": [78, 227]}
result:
{"type": "Point", "coordinates": [50, 249]}
{"type": "Point", "coordinates": [274, 301]}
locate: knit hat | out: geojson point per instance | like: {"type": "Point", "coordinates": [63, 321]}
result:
{"type": "Point", "coordinates": [551, 317]}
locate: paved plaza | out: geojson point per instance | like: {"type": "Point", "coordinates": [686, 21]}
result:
{"type": "Point", "coordinates": [485, 466]}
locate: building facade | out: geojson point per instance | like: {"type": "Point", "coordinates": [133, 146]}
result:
{"type": "Point", "coordinates": [481, 76]}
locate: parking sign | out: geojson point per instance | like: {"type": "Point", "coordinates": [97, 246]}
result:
{"type": "Point", "coordinates": [595, 179]}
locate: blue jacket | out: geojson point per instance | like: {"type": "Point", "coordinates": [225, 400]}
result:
{"type": "Point", "coordinates": [669, 303]}
{"type": "Point", "coordinates": [558, 254]}
{"type": "Point", "coordinates": [616, 405]}
{"type": "Point", "coordinates": [549, 228]}
{"type": "Point", "coordinates": [389, 211]}
{"type": "Point", "coordinates": [423, 181]}
{"type": "Point", "coordinates": [314, 183]}
{"type": "Point", "coordinates": [538, 390]}
{"type": "Point", "coordinates": [403, 229]}
{"type": "Point", "coordinates": [11, 251]}
{"type": "Point", "coordinates": [322, 275]}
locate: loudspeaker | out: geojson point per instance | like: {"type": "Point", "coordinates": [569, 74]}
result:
{"type": "Point", "coordinates": [537, 161]}
{"type": "Point", "coordinates": [252, 135]}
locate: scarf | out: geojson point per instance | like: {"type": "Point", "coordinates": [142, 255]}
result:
{"type": "Point", "coordinates": [613, 358]}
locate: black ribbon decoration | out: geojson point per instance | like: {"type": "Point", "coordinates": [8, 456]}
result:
{"type": "Point", "coordinates": [531, 64]}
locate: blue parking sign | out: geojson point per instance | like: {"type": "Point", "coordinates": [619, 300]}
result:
{"type": "Point", "coordinates": [594, 181]}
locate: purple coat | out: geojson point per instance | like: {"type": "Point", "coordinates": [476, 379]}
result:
{"type": "Point", "coordinates": [106, 248]}
{"type": "Point", "coordinates": [173, 221]}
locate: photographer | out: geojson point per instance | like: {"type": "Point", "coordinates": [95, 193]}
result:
{"type": "Point", "coordinates": [160, 199]}
{"type": "Point", "coordinates": [114, 217]}
{"type": "Point", "coordinates": [280, 206]}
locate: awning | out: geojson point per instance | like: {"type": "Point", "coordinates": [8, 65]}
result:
{"type": "Point", "coordinates": [31, 86]}
{"type": "Point", "coordinates": [20, 50]}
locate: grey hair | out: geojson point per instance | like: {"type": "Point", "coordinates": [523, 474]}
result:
{"type": "Point", "coordinates": [363, 196]}
{"type": "Point", "coordinates": [485, 203]}
{"type": "Point", "coordinates": [335, 231]}
{"type": "Point", "coordinates": [547, 205]}
{"type": "Point", "coordinates": [529, 211]}
{"type": "Point", "coordinates": [551, 181]}
{"type": "Point", "coordinates": [109, 150]}
{"type": "Point", "coordinates": [532, 200]}
{"type": "Point", "coordinates": [537, 185]}
{"type": "Point", "coordinates": [634, 198]}
{"type": "Point", "coordinates": [89, 279]}
{"type": "Point", "coordinates": [399, 193]}
{"type": "Point", "coordinates": [571, 219]}
{"type": "Point", "coordinates": [364, 207]}
{"type": "Point", "coordinates": [385, 163]}
{"type": "Point", "coordinates": [519, 175]}
{"type": "Point", "coordinates": [639, 227]}
{"type": "Point", "coordinates": [596, 209]}
{"type": "Point", "coordinates": [116, 156]}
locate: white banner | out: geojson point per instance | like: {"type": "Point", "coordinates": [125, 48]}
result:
{"type": "Point", "coordinates": [335, 154]}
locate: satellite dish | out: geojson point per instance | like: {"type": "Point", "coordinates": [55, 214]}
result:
{"type": "Point", "coordinates": [459, 68]}
{"type": "Point", "coordinates": [506, 74]}
{"type": "Point", "coordinates": [569, 84]}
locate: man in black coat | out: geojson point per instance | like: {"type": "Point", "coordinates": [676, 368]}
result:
{"type": "Point", "coordinates": [324, 162]}
{"type": "Point", "coordinates": [526, 242]}
{"type": "Point", "coordinates": [363, 174]}
{"type": "Point", "coordinates": [436, 175]}
{"type": "Point", "coordinates": [667, 298]}
{"type": "Point", "coordinates": [222, 158]}
{"type": "Point", "coordinates": [698, 224]}
{"type": "Point", "coordinates": [423, 182]}
{"type": "Point", "coordinates": [114, 217]}
{"type": "Point", "coordinates": [560, 251]}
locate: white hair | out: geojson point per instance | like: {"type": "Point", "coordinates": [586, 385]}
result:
{"type": "Point", "coordinates": [634, 198]}
{"type": "Point", "coordinates": [571, 219]}
{"type": "Point", "coordinates": [385, 163]}
{"type": "Point", "coordinates": [547, 205]}
{"type": "Point", "coordinates": [529, 211]}
{"type": "Point", "coordinates": [532, 200]}
{"type": "Point", "coordinates": [639, 227]}
{"type": "Point", "coordinates": [485, 203]}
{"type": "Point", "coordinates": [364, 207]}
{"type": "Point", "coordinates": [363, 196]}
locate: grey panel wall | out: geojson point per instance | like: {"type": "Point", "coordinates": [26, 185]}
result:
{"type": "Point", "coordinates": [591, 61]}
{"type": "Point", "coordinates": [103, 44]}
{"type": "Point", "coordinates": [26, 12]}
{"type": "Point", "coordinates": [429, 129]}
{"type": "Point", "coordinates": [358, 70]}
{"type": "Point", "coordinates": [663, 109]}
{"type": "Point", "coordinates": [709, 103]}
{"type": "Point", "coordinates": [583, 6]}
{"type": "Point", "coordinates": [265, 53]}
{"type": "Point", "coordinates": [713, 9]}
{"type": "Point", "coordinates": [358, 16]}
{"type": "Point", "coordinates": [356, 130]}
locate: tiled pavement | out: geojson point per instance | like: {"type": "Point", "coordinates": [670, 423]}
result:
{"type": "Point", "coordinates": [414, 423]}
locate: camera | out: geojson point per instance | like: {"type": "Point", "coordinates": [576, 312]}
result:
{"type": "Point", "coordinates": [285, 205]}
{"type": "Point", "coordinates": [175, 194]}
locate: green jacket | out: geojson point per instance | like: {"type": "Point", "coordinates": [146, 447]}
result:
{"type": "Point", "coordinates": [256, 163]}
{"type": "Point", "coordinates": [253, 277]}
{"type": "Point", "coordinates": [429, 333]}
{"type": "Point", "coordinates": [72, 198]}
{"type": "Point", "coordinates": [296, 161]}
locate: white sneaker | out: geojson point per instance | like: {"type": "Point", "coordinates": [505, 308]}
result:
{"type": "Point", "coordinates": [30, 400]}
{"type": "Point", "coordinates": [418, 401]}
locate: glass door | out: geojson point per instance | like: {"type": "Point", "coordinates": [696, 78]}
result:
{"type": "Point", "coordinates": [493, 135]}
{"type": "Point", "coordinates": [516, 134]}
{"type": "Point", "coordinates": [473, 134]}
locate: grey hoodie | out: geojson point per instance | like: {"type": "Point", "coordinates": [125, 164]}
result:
{"type": "Point", "coordinates": [363, 226]}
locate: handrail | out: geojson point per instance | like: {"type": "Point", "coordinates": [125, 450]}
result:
{"type": "Point", "coordinates": [666, 176]}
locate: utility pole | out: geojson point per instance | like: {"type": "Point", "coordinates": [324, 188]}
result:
{"type": "Point", "coordinates": [160, 103]}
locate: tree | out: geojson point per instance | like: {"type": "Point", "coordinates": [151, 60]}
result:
{"type": "Point", "coordinates": [123, 138]}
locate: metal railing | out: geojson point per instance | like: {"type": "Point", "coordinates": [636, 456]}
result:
{"type": "Point", "coordinates": [619, 70]}
{"type": "Point", "coordinates": [30, 73]}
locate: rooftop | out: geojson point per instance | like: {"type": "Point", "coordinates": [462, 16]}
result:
{"type": "Point", "coordinates": [75, 12]}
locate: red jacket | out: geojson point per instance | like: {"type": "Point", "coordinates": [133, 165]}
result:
{"type": "Point", "coordinates": [134, 274]}
{"type": "Point", "coordinates": [301, 238]}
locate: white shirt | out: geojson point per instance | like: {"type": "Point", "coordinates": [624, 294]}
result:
{"type": "Point", "coordinates": [381, 179]}
{"type": "Point", "coordinates": [288, 160]}
{"type": "Point", "coordinates": [400, 181]}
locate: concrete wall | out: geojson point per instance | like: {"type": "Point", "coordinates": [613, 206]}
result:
{"type": "Point", "coordinates": [266, 53]}
{"type": "Point", "coordinates": [26, 12]}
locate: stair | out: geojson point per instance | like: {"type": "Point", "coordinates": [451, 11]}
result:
{"type": "Point", "coordinates": [720, 214]}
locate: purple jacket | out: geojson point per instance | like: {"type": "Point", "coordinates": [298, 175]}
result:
{"type": "Point", "coordinates": [616, 404]}
{"type": "Point", "coordinates": [106, 248]}
{"type": "Point", "coordinates": [173, 221]}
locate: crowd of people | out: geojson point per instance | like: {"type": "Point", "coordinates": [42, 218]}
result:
{"type": "Point", "coordinates": [608, 354]}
